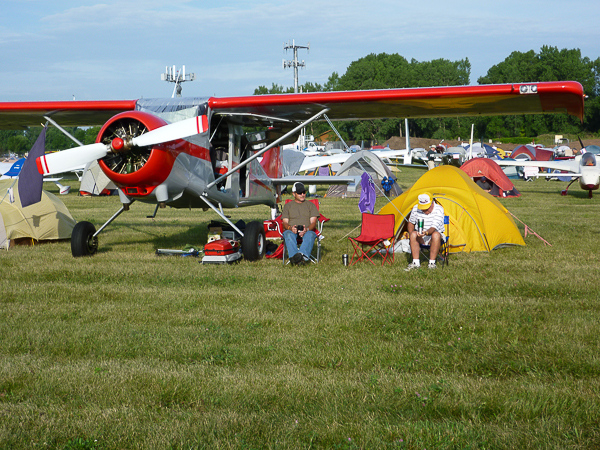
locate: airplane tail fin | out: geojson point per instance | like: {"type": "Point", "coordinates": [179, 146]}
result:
{"type": "Point", "coordinates": [272, 162]}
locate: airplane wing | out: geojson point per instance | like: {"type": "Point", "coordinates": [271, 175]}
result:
{"type": "Point", "coordinates": [524, 98]}
{"type": "Point", "coordinates": [18, 115]}
{"type": "Point", "coordinates": [312, 162]}
{"type": "Point", "coordinates": [387, 154]}
{"type": "Point", "coordinates": [570, 165]}
{"type": "Point", "coordinates": [309, 179]}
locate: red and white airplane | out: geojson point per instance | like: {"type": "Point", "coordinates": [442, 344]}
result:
{"type": "Point", "coordinates": [193, 152]}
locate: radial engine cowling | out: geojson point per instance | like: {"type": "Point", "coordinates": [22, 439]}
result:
{"type": "Point", "coordinates": [136, 169]}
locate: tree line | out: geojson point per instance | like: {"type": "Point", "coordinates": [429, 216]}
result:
{"type": "Point", "coordinates": [384, 71]}
{"type": "Point", "coordinates": [21, 141]}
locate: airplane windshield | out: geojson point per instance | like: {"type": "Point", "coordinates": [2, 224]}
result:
{"type": "Point", "coordinates": [593, 149]}
{"type": "Point", "coordinates": [588, 159]}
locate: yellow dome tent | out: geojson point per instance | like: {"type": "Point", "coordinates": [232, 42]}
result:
{"type": "Point", "coordinates": [478, 221]}
{"type": "Point", "coordinates": [46, 220]}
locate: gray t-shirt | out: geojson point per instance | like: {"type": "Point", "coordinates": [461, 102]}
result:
{"type": "Point", "coordinates": [299, 213]}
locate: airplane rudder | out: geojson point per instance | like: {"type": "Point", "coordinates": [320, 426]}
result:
{"type": "Point", "coordinates": [274, 163]}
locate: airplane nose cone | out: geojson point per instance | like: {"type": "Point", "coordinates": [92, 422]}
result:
{"type": "Point", "coordinates": [589, 181]}
{"type": "Point", "coordinates": [117, 144]}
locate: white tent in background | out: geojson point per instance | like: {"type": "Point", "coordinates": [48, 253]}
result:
{"type": "Point", "coordinates": [363, 161]}
{"type": "Point", "coordinates": [95, 182]}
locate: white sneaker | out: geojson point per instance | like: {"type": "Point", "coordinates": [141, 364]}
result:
{"type": "Point", "coordinates": [412, 266]}
{"type": "Point", "coordinates": [432, 265]}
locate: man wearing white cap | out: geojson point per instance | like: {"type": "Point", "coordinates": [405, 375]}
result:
{"type": "Point", "coordinates": [299, 219]}
{"type": "Point", "coordinates": [432, 215]}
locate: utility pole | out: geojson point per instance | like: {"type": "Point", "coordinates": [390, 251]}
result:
{"type": "Point", "coordinates": [172, 75]}
{"type": "Point", "coordinates": [295, 63]}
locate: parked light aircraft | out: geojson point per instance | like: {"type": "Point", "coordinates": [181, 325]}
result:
{"type": "Point", "coordinates": [313, 162]}
{"type": "Point", "coordinates": [11, 168]}
{"type": "Point", "coordinates": [583, 167]}
{"type": "Point", "coordinates": [169, 152]}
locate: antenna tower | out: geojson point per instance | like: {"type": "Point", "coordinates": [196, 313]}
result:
{"type": "Point", "coordinates": [295, 63]}
{"type": "Point", "coordinates": [172, 75]}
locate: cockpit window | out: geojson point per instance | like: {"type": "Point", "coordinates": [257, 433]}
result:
{"type": "Point", "coordinates": [593, 149]}
{"type": "Point", "coordinates": [588, 159]}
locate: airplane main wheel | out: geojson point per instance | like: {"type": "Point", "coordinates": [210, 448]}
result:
{"type": "Point", "coordinates": [83, 242]}
{"type": "Point", "coordinates": [254, 241]}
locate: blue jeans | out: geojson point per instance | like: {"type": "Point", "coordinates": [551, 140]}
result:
{"type": "Point", "coordinates": [291, 244]}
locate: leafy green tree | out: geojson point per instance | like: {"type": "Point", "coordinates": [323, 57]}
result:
{"type": "Point", "coordinates": [311, 87]}
{"type": "Point", "coordinates": [332, 83]}
{"type": "Point", "coordinates": [274, 89]}
{"type": "Point", "coordinates": [18, 144]}
{"type": "Point", "coordinates": [90, 134]}
{"type": "Point", "coordinates": [376, 72]}
{"type": "Point", "coordinates": [5, 136]}
{"type": "Point", "coordinates": [385, 71]}
{"type": "Point", "coordinates": [592, 105]}
{"type": "Point", "coordinates": [550, 64]}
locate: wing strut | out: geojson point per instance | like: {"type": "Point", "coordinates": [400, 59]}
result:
{"type": "Point", "coordinates": [65, 132]}
{"type": "Point", "coordinates": [335, 131]}
{"type": "Point", "coordinates": [268, 147]}
{"type": "Point", "coordinates": [221, 215]}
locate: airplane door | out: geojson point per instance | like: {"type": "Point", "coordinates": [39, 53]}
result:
{"type": "Point", "coordinates": [235, 138]}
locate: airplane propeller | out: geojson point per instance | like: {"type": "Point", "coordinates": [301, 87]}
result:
{"type": "Point", "coordinates": [69, 159]}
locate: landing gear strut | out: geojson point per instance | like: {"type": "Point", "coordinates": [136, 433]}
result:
{"type": "Point", "coordinates": [84, 238]}
{"type": "Point", "coordinates": [569, 185]}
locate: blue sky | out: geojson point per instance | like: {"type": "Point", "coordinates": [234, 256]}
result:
{"type": "Point", "coordinates": [106, 49]}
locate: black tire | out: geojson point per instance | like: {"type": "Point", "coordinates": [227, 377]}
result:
{"type": "Point", "coordinates": [83, 242]}
{"type": "Point", "coordinates": [254, 242]}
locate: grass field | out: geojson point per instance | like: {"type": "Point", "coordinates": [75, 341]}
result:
{"type": "Point", "coordinates": [127, 350]}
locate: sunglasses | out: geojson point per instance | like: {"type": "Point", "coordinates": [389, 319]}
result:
{"type": "Point", "coordinates": [301, 193]}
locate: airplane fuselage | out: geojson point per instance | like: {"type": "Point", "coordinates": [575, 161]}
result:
{"type": "Point", "coordinates": [585, 167]}
{"type": "Point", "coordinates": [590, 172]}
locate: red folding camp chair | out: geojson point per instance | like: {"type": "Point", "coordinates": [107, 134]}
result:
{"type": "Point", "coordinates": [376, 233]}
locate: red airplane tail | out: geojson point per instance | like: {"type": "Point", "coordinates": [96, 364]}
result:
{"type": "Point", "coordinates": [272, 163]}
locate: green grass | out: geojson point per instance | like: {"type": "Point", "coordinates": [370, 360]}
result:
{"type": "Point", "coordinates": [127, 350]}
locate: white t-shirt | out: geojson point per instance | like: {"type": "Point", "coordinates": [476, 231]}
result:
{"type": "Point", "coordinates": [434, 219]}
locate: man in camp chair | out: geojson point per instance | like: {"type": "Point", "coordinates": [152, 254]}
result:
{"type": "Point", "coordinates": [432, 215]}
{"type": "Point", "coordinates": [299, 219]}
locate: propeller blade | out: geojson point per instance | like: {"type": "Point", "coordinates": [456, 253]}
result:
{"type": "Point", "coordinates": [67, 160]}
{"type": "Point", "coordinates": [171, 132]}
